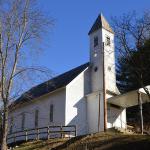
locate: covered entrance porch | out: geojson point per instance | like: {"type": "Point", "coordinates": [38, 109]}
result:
{"type": "Point", "coordinates": [129, 99]}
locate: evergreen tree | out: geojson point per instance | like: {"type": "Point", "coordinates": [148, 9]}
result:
{"type": "Point", "coordinates": [129, 69]}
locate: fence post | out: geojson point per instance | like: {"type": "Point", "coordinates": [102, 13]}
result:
{"type": "Point", "coordinates": [75, 130]}
{"type": "Point", "coordinates": [69, 135]}
{"type": "Point", "coordinates": [86, 146]}
{"type": "Point", "coordinates": [48, 132]}
{"type": "Point", "coordinates": [14, 137]}
{"type": "Point", "coordinates": [141, 111]}
{"type": "Point", "coordinates": [61, 131]}
{"type": "Point", "coordinates": [26, 135]}
{"type": "Point", "coordinates": [37, 134]}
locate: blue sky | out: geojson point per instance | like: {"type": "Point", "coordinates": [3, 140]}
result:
{"type": "Point", "coordinates": [68, 45]}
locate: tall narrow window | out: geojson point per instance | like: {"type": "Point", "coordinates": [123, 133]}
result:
{"type": "Point", "coordinates": [95, 41]}
{"type": "Point", "coordinates": [51, 116]}
{"type": "Point", "coordinates": [23, 121]}
{"type": "Point", "coordinates": [11, 125]}
{"type": "Point", "coordinates": [36, 118]}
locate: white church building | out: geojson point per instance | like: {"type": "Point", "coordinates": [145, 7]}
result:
{"type": "Point", "coordinates": [85, 96]}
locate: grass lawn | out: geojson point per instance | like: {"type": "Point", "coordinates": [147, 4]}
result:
{"type": "Point", "coordinates": [98, 141]}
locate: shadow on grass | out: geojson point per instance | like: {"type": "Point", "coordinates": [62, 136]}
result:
{"type": "Point", "coordinates": [132, 145]}
{"type": "Point", "coordinates": [85, 145]}
{"type": "Point", "coordinates": [69, 142]}
{"type": "Point", "coordinates": [31, 146]}
{"type": "Point", "coordinates": [96, 142]}
{"type": "Point", "coordinates": [38, 145]}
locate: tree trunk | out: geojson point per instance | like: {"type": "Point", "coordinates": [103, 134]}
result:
{"type": "Point", "coordinates": [5, 130]}
{"type": "Point", "coordinates": [141, 111]}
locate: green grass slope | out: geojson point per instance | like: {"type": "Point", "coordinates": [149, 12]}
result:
{"type": "Point", "coordinates": [98, 141]}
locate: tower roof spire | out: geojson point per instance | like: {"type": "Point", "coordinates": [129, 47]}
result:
{"type": "Point", "coordinates": [101, 22]}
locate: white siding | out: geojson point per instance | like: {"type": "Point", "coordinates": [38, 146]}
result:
{"type": "Point", "coordinates": [110, 75]}
{"type": "Point", "coordinates": [43, 105]}
{"type": "Point", "coordinates": [96, 61]}
{"type": "Point", "coordinates": [76, 102]}
{"type": "Point", "coordinates": [97, 81]}
{"type": "Point", "coordinates": [95, 112]}
{"type": "Point", "coordinates": [116, 117]}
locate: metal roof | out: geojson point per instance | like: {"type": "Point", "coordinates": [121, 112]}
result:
{"type": "Point", "coordinates": [50, 85]}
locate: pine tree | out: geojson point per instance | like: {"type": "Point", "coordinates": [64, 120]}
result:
{"type": "Point", "coordinates": [127, 68]}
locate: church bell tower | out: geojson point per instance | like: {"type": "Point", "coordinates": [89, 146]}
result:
{"type": "Point", "coordinates": [102, 56]}
{"type": "Point", "coordinates": [102, 74]}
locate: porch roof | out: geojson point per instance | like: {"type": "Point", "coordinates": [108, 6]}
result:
{"type": "Point", "coordinates": [129, 99]}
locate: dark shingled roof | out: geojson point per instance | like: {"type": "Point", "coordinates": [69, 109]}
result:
{"type": "Point", "coordinates": [51, 85]}
{"type": "Point", "coordinates": [100, 22]}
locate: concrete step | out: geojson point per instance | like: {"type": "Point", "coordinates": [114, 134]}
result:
{"type": "Point", "coordinates": [120, 130]}
{"type": "Point", "coordinates": [125, 131]}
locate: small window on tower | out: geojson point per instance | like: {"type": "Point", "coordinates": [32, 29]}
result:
{"type": "Point", "coordinates": [95, 69]}
{"type": "Point", "coordinates": [108, 41]}
{"type": "Point", "coordinates": [95, 41]}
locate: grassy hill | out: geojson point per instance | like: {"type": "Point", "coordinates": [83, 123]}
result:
{"type": "Point", "coordinates": [98, 141]}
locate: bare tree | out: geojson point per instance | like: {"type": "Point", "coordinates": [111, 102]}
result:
{"type": "Point", "coordinates": [21, 23]}
{"type": "Point", "coordinates": [131, 33]}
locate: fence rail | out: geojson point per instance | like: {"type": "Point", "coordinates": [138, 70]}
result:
{"type": "Point", "coordinates": [42, 133]}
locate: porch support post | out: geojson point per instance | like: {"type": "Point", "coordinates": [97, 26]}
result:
{"type": "Point", "coordinates": [104, 90]}
{"type": "Point", "coordinates": [99, 96]}
{"type": "Point", "coordinates": [141, 110]}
